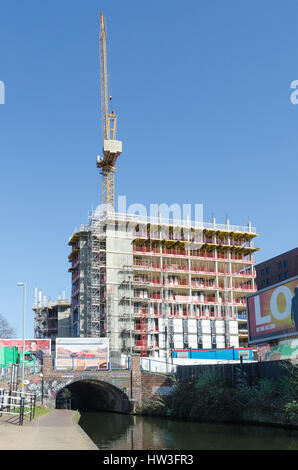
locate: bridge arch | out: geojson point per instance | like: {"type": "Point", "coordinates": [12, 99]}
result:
{"type": "Point", "coordinates": [91, 394]}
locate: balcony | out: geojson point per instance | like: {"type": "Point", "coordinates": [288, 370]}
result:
{"type": "Point", "coordinates": [192, 254]}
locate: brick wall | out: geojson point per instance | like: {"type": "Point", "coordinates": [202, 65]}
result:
{"type": "Point", "coordinates": [276, 269]}
{"type": "Point", "coordinates": [152, 382]}
{"type": "Point", "coordinates": [135, 383]}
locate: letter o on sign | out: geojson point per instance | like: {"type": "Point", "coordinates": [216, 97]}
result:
{"type": "Point", "coordinates": [273, 302]}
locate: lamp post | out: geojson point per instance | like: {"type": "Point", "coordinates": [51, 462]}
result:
{"type": "Point", "coordinates": [41, 375]}
{"type": "Point", "coordinates": [22, 284]}
{"type": "Point", "coordinates": [130, 313]}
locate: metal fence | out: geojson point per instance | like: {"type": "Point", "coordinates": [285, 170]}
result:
{"type": "Point", "coordinates": [246, 374]}
{"type": "Point", "coordinates": [92, 364]}
{"type": "Point", "coordinates": [158, 366]}
{"type": "Point", "coordinates": [16, 403]}
{"type": "Point", "coordinates": [32, 369]}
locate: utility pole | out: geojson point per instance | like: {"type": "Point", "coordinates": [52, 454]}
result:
{"type": "Point", "coordinates": [22, 284]}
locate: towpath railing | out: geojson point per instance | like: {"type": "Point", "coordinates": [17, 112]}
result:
{"type": "Point", "coordinates": [16, 403]}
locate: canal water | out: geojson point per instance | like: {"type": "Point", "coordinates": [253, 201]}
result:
{"type": "Point", "coordinates": [113, 431]}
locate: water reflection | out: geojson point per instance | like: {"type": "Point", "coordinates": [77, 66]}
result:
{"type": "Point", "coordinates": [112, 431]}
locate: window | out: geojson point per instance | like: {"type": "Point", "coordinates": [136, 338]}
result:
{"type": "Point", "coordinates": [268, 270]}
{"type": "Point", "coordinates": [286, 275]}
{"type": "Point", "coordinates": [263, 283]}
{"type": "Point", "coordinates": [279, 266]}
{"type": "Point", "coordinates": [262, 272]}
{"type": "Point", "coordinates": [268, 281]}
{"type": "Point", "coordinates": [281, 276]}
{"type": "Point", "coordinates": [285, 263]}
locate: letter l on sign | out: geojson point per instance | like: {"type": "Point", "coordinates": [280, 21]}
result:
{"type": "Point", "coordinates": [260, 320]}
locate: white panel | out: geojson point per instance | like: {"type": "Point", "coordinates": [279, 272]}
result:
{"type": "Point", "coordinates": [178, 336]}
{"type": "Point", "coordinates": [161, 338]}
{"type": "Point", "coordinates": [178, 340]}
{"type": "Point", "coordinates": [220, 326]}
{"type": "Point", "coordinates": [193, 341]}
{"type": "Point", "coordinates": [192, 326]}
{"type": "Point", "coordinates": [206, 326]}
{"type": "Point", "coordinates": [233, 326]}
{"type": "Point", "coordinates": [161, 324]}
{"type": "Point", "coordinates": [234, 341]}
{"type": "Point", "coordinates": [178, 325]}
{"type": "Point", "coordinates": [220, 341]}
{"type": "Point", "coordinates": [113, 146]}
{"type": "Point", "coordinates": [206, 341]}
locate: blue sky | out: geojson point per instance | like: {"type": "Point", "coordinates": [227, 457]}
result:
{"type": "Point", "coordinates": [202, 90]}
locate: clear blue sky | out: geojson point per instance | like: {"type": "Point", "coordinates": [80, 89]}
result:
{"type": "Point", "coordinates": [202, 90]}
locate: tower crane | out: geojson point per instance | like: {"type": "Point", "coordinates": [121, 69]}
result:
{"type": "Point", "coordinates": [112, 148]}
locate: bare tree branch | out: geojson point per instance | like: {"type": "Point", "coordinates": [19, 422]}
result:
{"type": "Point", "coordinates": [6, 331]}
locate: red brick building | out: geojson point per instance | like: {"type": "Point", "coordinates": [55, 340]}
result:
{"type": "Point", "coordinates": [277, 269]}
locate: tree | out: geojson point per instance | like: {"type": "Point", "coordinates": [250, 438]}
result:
{"type": "Point", "coordinates": [6, 331]}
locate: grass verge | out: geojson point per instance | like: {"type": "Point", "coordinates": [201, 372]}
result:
{"type": "Point", "coordinates": [41, 410]}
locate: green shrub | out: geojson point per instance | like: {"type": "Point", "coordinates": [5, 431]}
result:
{"type": "Point", "coordinates": [291, 409]}
{"type": "Point", "coordinates": [209, 398]}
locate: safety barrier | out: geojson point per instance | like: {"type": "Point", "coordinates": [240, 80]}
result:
{"type": "Point", "coordinates": [92, 364]}
{"type": "Point", "coordinates": [32, 369]}
{"type": "Point", "coordinates": [158, 366]}
{"type": "Point", "coordinates": [17, 403]}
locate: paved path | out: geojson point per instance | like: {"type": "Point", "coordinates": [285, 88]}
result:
{"type": "Point", "coordinates": [57, 430]}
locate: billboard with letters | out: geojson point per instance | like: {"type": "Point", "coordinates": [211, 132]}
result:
{"type": "Point", "coordinates": [273, 312]}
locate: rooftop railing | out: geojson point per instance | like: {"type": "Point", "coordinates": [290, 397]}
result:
{"type": "Point", "coordinates": [142, 219]}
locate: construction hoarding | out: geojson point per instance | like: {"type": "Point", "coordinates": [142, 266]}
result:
{"type": "Point", "coordinates": [82, 353]}
{"type": "Point", "coordinates": [38, 347]}
{"type": "Point", "coordinates": [273, 312]}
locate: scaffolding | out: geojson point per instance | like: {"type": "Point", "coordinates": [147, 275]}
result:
{"type": "Point", "coordinates": [96, 275]}
{"type": "Point", "coordinates": [40, 322]}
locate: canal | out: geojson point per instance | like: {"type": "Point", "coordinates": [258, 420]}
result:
{"type": "Point", "coordinates": [113, 431]}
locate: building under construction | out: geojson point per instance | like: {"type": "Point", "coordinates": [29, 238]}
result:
{"type": "Point", "coordinates": [52, 319]}
{"type": "Point", "coordinates": [152, 285]}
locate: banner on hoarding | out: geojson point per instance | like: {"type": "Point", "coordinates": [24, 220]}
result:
{"type": "Point", "coordinates": [279, 350]}
{"type": "Point", "coordinates": [38, 347]}
{"type": "Point", "coordinates": [273, 312]}
{"type": "Point", "coordinates": [82, 353]}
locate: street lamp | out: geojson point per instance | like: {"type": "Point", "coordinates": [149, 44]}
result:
{"type": "Point", "coordinates": [41, 375]}
{"type": "Point", "coordinates": [22, 284]}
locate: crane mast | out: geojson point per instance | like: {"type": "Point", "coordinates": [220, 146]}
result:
{"type": "Point", "coordinates": [112, 148]}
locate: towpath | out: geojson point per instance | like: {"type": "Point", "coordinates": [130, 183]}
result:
{"type": "Point", "coordinates": [57, 430]}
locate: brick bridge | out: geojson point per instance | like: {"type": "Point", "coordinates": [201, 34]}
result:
{"type": "Point", "coordinates": [113, 390]}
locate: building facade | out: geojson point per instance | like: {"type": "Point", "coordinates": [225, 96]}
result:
{"type": "Point", "coordinates": [277, 269]}
{"type": "Point", "coordinates": [52, 319]}
{"type": "Point", "coordinates": [152, 286]}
